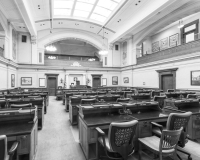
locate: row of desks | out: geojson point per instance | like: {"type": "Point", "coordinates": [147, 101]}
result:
{"type": "Point", "coordinates": [92, 116]}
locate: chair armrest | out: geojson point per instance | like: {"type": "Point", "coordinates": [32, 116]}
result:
{"type": "Point", "coordinates": [13, 148]}
{"type": "Point", "coordinates": [157, 125]}
{"type": "Point", "coordinates": [99, 130]}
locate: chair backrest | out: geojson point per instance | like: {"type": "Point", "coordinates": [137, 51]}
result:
{"type": "Point", "coordinates": [3, 146]}
{"type": "Point", "coordinates": [192, 96]}
{"type": "Point", "coordinates": [88, 101]}
{"type": "Point", "coordinates": [160, 100]}
{"type": "Point", "coordinates": [171, 90]}
{"type": "Point", "coordinates": [121, 136]}
{"type": "Point", "coordinates": [123, 99]}
{"type": "Point", "coordinates": [176, 121]}
{"type": "Point", "coordinates": [59, 87]}
{"type": "Point", "coordinates": [20, 105]}
{"type": "Point", "coordinates": [169, 139]}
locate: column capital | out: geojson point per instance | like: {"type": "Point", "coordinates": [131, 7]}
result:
{"type": "Point", "coordinates": [33, 39]}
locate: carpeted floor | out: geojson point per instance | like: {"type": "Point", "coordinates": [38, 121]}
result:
{"type": "Point", "coordinates": [58, 140]}
{"type": "Point", "coordinates": [55, 140]}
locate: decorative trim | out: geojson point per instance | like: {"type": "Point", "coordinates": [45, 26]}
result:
{"type": "Point", "coordinates": [167, 70]}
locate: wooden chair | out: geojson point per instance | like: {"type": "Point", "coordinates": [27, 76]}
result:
{"type": "Point", "coordinates": [4, 154]}
{"type": "Point", "coordinates": [171, 90]}
{"type": "Point", "coordinates": [175, 122]}
{"type": "Point", "coordinates": [88, 101]}
{"type": "Point", "coordinates": [125, 100]}
{"type": "Point", "coordinates": [160, 100]}
{"type": "Point", "coordinates": [192, 96]}
{"type": "Point", "coordinates": [164, 146]}
{"type": "Point", "coordinates": [118, 144]}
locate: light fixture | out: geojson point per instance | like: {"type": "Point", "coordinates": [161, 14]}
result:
{"type": "Point", "coordinates": [91, 59]}
{"type": "Point", "coordinates": [51, 48]}
{"type": "Point", "coordinates": [103, 52]}
{"type": "Point", "coordinates": [180, 25]}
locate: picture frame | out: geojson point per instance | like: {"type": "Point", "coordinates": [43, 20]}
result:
{"type": "Point", "coordinates": [164, 43]}
{"type": "Point", "coordinates": [114, 80]}
{"type": "Point", "coordinates": [173, 40]}
{"type": "Point", "coordinates": [12, 80]}
{"type": "Point", "coordinates": [26, 81]}
{"type": "Point", "coordinates": [155, 46]}
{"type": "Point", "coordinates": [104, 81]}
{"type": "Point", "coordinates": [75, 78]}
{"type": "Point", "coordinates": [42, 82]}
{"type": "Point", "coordinates": [126, 79]}
{"type": "Point", "coordinates": [195, 78]}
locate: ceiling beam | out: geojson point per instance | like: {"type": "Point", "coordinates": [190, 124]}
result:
{"type": "Point", "coordinates": [93, 9]}
{"type": "Point", "coordinates": [25, 11]}
{"type": "Point", "coordinates": [73, 8]}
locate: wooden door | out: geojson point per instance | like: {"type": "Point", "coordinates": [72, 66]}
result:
{"type": "Point", "coordinates": [96, 82]}
{"type": "Point", "coordinates": [167, 82]}
{"type": "Point", "coordinates": [51, 85]}
{"type": "Point", "coordinates": [78, 83]}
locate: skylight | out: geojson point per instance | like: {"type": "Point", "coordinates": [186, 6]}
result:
{"type": "Point", "coordinates": [96, 10]}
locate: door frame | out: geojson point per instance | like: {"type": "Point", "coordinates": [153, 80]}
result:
{"type": "Point", "coordinates": [163, 72]}
{"type": "Point", "coordinates": [51, 75]}
{"type": "Point", "coordinates": [96, 76]}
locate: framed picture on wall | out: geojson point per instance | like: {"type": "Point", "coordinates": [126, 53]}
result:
{"type": "Point", "coordinates": [104, 82]}
{"type": "Point", "coordinates": [155, 46]}
{"type": "Point", "coordinates": [173, 40]}
{"type": "Point", "coordinates": [12, 80]}
{"type": "Point", "coordinates": [126, 80]}
{"type": "Point", "coordinates": [164, 43]}
{"type": "Point", "coordinates": [114, 80]}
{"type": "Point", "coordinates": [195, 78]}
{"type": "Point", "coordinates": [41, 82]}
{"type": "Point", "coordinates": [26, 81]}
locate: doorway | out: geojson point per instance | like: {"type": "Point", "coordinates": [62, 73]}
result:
{"type": "Point", "coordinates": [96, 80]}
{"type": "Point", "coordinates": [167, 79]}
{"type": "Point", "coordinates": [167, 82]}
{"type": "Point", "coordinates": [52, 83]}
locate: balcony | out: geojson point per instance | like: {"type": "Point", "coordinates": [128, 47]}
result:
{"type": "Point", "coordinates": [180, 50]}
{"type": "Point", "coordinates": [73, 63]}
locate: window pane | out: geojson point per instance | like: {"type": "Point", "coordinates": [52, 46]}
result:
{"type": "Point", "coordinates": [83, 6]}
{"type": "Point", "coordinates": [189, 37]}
{"type": "Point", "coordinates": [190, 28]}
{"type": "Point", "coordinates": [88, 1]}
{"type": "Point", "coordinates": [78, 13]}
{"type": "Point", "coordinates": [109, 4]}
{"type": "Point", "coordinates": [97, 17]}
{"type": "Point", "coordinates": [63, 4]}
{"type": "Point", "coordinates": [102, 11]}
{"type": "Point", "coordinates": [62, 12]}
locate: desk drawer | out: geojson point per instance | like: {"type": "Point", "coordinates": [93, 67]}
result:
{"type": "Point", "coordinates": [92, 135]}
{"type": "Point", "coordinates": [196, 126]}
{"type": "Point", "coordinates": [24, 144]}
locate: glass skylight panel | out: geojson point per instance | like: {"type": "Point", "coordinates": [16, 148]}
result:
{"type": "Point", "coordinates": [78, 13]}
{"type": "Point", "coordinates": [97, 17]}
{"type": "Point", "coordinates": [88, 1]}
{"type": "Point", "coordinates": [83, 6]}
{"type": "Point", "coordinates": [62, 12]}
{"type": "Point", "coordinates": [117, 1]}
{"type": "Point", "coordinates": [109, 4]}
{"type": "Point", "coordinates": [63, 3]}
{"type": "Point", "coordinates": [102, 11]}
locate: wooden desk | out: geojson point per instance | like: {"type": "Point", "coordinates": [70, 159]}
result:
{"type": "Point", "coordinates": [192, 105]}
{"type": "Point", "coordinates": [177, 94]}
{"type": "Point", "coordinates": [37, 102]}
{"type": "Point", "coordinates": [23, 128]}
{"type": "Point", "coordinates": [74, 101]}
{"type": "Point", "coordinates": [87, 125]}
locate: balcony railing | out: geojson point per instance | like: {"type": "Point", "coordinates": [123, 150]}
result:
{"type": "Point", "coordinates": [176, 51]}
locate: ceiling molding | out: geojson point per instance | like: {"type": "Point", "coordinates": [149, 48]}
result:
{"type": "Point", "coordinates": [75, 20]}
{"type": "Point", "coordinates": [23, 8]}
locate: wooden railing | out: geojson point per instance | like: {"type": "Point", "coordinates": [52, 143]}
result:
{"type": "Point", "coordinates": [180, 50]}
{"type": "Point", "coordinates": [65, 63]}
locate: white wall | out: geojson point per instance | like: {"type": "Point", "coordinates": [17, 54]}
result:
{"type": "Point", "coordinates": [128, 74]}
{"type": "Point", "coordinates": [24, 49]}
{"type": "Point", "coordinates": [148, 77]}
